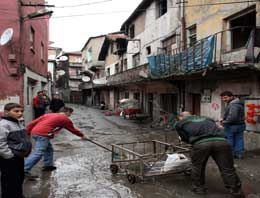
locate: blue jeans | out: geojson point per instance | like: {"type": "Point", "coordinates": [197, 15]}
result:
{"type": "Point", "coordinates": [43, 148]}
{"type": "Point", "coordinates": [235, 137]}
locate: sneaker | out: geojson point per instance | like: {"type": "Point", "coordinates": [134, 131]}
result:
{"type": "Point", "coordinates": [49, 168]}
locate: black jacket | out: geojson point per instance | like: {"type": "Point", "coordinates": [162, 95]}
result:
{"type": "Point", "coordinates": [194, 128]}
{"type": "Point", "coordinates": [234, 112]}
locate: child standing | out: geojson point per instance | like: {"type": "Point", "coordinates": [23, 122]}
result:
{"type": "Point", "coordinates": [14, 146]}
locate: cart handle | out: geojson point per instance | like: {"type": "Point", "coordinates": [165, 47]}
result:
{"type": "Point", "coordinates": [100, 145]}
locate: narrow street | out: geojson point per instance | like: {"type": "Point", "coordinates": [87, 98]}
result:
{"type": "Point", "coordinates": [83, 168]}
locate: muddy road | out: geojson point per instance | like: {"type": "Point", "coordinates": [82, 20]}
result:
{"type": "Point", "coordinates": [83, 168]}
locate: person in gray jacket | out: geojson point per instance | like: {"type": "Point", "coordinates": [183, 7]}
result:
{"type": "Point", "coordinates": [14, 146]}
{"type": "Point", "coordinates": [234, 123]}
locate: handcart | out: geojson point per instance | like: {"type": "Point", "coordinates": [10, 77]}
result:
{"type": "Point", "coordinates": [148, 158]}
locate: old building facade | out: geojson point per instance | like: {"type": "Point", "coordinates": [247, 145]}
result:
{"type": "Point", "coordinates": [24, 57]}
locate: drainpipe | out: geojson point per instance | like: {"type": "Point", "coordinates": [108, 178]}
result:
{"type": "Point", "coordinates": [20, 66]}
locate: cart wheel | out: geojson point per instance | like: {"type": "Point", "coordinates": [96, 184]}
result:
{"type": "Point", "coordinates": [114, 169]}
{"type": "Point", "coordinates": [131, 178]}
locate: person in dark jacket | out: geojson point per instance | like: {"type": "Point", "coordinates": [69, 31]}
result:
{"type": "Point", "coordinates": [234, 123]}
{"type": "Point", "coordinates": [208, 140]}
{"type": "Point", "coordinates": [56, 104]}
{"type": "Point", "coordinates": [14, 146]}
{"type": "Point", "coordinates": [40, 102]}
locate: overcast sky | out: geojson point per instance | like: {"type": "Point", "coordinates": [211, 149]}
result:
{"type": "Point", "coordinates": [71, 32]}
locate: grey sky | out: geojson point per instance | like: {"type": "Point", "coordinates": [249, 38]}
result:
{"type": "Point", "coordinates": [101, 16]}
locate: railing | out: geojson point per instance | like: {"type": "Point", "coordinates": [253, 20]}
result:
{"type": "Point", "coordinates": [233, 46]}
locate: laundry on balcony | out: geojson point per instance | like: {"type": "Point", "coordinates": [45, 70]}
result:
{"type": "Point", "coordinates": [194, 58]}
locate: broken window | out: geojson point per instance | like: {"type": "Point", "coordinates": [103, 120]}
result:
{"type": "Point", "coordinates": [192, 35]}
{"type": "Point", "coordinates": [161, 7]}
{"type": "Point", "coordinates": [241, 27]}
{"type": "Point", "coordinates": [168, 43]}
{"type": "Point", "coordinates": [136, 60]}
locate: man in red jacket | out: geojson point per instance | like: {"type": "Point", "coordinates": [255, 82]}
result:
{"type": "Point", "coordinates": [42, 130]}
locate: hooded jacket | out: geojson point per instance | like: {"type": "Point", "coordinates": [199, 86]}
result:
{"type": "Point", "coordinates": [193, 129]}
{"type": "Point", "coordinates": [234, 112]}
{"type": "Point", "coordinates": [13, 139]}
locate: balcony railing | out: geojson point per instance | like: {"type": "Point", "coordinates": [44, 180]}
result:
{"type": "Point", "coordinates": [223, 48]}
{"type": "Point", "coordinates": [135, 74]}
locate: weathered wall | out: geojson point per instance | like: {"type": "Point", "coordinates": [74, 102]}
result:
{"type": "Point", "coordinates": [95, 44]}
{"type": "Point", "coordinates": [206, 16]}
{"type": "Point", "coordinates": [156, 29]}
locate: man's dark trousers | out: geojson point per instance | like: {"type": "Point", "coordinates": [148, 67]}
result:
{"type": "Point", "coordinates": [12, 176]}
{"type": "Point", "coordinates": [221, 153]}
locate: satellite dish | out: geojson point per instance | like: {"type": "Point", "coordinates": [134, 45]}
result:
{"type": "Point", "coordinates": [60, 72]}
{"type": "Point", "coordinates": [85, 78]}
{"type": "Point", "coordinates": [6, 36]}
{"type": "Point", "coordinates": [63, 58]}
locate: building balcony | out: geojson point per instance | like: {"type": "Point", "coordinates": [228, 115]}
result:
{"type": "Point", "coordinates": [95, 65]}
{"type": "Point", "coordinates": [133, 75]}
{"type": "Point", "coordinates": [238, 46]}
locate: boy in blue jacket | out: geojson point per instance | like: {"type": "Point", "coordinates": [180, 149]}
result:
{"type": "Point", "coordinates": [14, 146]}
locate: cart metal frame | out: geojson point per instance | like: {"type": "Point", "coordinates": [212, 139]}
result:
{"type": "Point", "coordinates": [136, 159]}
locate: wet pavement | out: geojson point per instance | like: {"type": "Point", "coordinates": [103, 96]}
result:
{"type": "Point", "coordinates": [83, 168]}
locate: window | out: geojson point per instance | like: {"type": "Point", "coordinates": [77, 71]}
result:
{"type": "Point", "coordinates": [98, 74]}
{"type": "Point", "coordinates": [132, 31]}
{"type": "Point", "coordinates": [117, 68]}
{"type": "Point", "coordinates": [168, 43]}
{"type": "Point", "coordinates": [137, 96]}
{"type": "Point", "coordinates": [192, 35]}
{"type": "Point", "coordinates": [136, 60]}
{"type": "Point", "coordinates": [122, 65]}
{"type": "Point", "coordinates": [42, 51]}
{"type": "Point", "coordinates": [108, 72]}
{"type": "Point", "coordinates": [125, 64]}
{"type": "Point", "coordinates": [111, 47]}
{"type": "Point", "coordinates": [89, 55]}
{"type": "Point", "coordinates": [161, 7]}
{"type": "Point", "coordinates": [126, 94]}
{"type": "Point", "coordinates": [239, 35]}
{"type": "Point", "coordinates": [32, 39]}
{"type": "Point", "coordinates": [148, 50]}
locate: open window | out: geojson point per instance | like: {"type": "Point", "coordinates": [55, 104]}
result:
{"type": "Point", "coordinates": [168, 44]}
{"type": "Point", "coordinates": [240, 36]}
{"type": "Point", "coordinates": [241, 25]}
{"type": "Point", "coordinates": [192, 35]}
